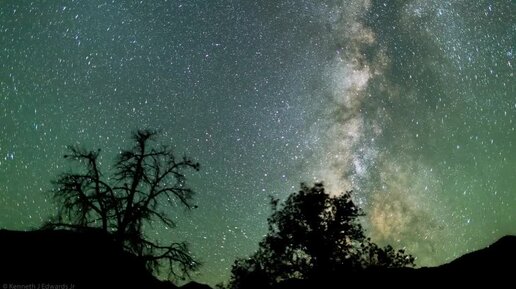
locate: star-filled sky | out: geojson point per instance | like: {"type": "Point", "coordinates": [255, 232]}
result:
{"type": "Point", "coordinates": [410, 103]}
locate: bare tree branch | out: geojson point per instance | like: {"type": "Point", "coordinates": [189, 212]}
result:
{"type": "Point", "coordinates": [144, 179]}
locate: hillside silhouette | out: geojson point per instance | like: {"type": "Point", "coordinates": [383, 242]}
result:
{"type": "Point", "coordinates": [90, 259]}
{"type": "Point", "coordinates": [84, 259]}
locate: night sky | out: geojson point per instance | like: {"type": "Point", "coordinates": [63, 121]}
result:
{"type": "Point", "coordinates": [410, 103]}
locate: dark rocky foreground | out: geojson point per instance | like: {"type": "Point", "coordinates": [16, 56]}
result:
{"type": "Point", "coordinates": [66, 259]}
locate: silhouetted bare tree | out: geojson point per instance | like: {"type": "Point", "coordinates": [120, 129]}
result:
{"type": "Point", "coordinates": [143, 180]}
{"type": "Point", "coordinates": [313, 236]}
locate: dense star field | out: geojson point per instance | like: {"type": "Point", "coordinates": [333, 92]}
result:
{"type": "Point", "coordinates": [411, 104]}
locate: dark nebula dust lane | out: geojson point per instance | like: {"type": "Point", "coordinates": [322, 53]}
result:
{"type": "Point", "coordinates": [419, 120]}
{"type": "Point", "coordinates": [411, 104]}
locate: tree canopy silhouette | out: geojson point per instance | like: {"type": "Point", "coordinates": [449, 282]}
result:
{"type": "Point", "coordinates": [145, 181]}
{"type": "Point", "coordinates": [313, 236]}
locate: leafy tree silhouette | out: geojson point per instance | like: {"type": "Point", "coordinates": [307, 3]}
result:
{"type": "Point", "coordinates": [143, 179]}
{"type": "Point", "coordinates": [313, 236]}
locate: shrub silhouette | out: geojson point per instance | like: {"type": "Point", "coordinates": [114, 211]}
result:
{"type": "Point", "coordinates": [143, 179]}
{"type": "Point", "coordinates": [313, 236]}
